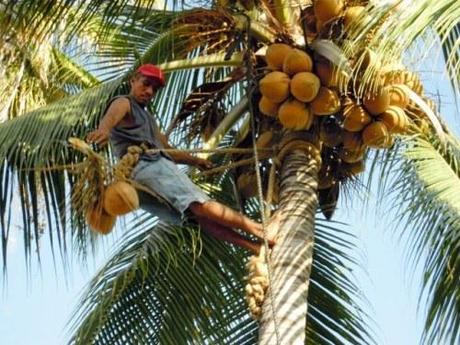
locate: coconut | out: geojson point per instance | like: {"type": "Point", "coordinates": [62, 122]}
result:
{"type": "Point", "coordinates": [330, 76]}
{"type": "Point", "coordinates": [369, 59]}
{"type": "Point", "coordinates": [295, 115]}
{"type": "Point", "coordinates": [353, 15]}
{"type": "Point", "coordinates": [319, 25]}
{"type": "Point", "coordinates": [120, 198]}
{"type": "Point", "coordinates": [413, 81]}
{"type": "Point", "coordinates": [352, 141]}
{"type": "Point", "coordinates": [247, 184]}
{"type": "Point", "coordinates": [264, 140]}
{"type": "Point", "coordinates": [377, 103]}
{"type": "Point", "coordinates": [100, 221]}
{"type": "Point", "coordinates": [356, 118]}
{"type": "Point", "coordinates": [395, 119]}
{"type": "Point", "coordinates": [410, 79]}
{"type": "Point", "coordinates": [327, 102]}
{"type": "Point", "coordinates": [330, 132]}
{"type": "Point", "coordinates": [305, 86]}
{"type": "Point", "coordinates": [310, 23]}
{"type": "Point", "coordinates": [393, 77]}
{"type": "Point", "coordinates": [275, 55]}
{"type": "Point", "coordinates": [351, 156]}
{"type": "Point", "coordinates": [275, 86]}
{"type": "Point", "coordinates": [327, 9]}
{"type": "Point", "coordinates": [354, 168]}
{"type": "Point", "coordinates": [268, 107]}
{"type": "Point", "coordinates": [376, 135]}
{"type": "Point", "coordinates": [398, 96]}
{"type": "Point", "coordinates": [297, 61]}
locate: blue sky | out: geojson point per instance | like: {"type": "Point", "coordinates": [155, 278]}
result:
{"type": "Point", "coordinates": [35, 311]}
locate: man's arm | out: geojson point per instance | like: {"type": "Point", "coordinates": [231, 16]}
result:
{"type": "Point", "coordinates": [114, 114]}
{"type": "Point", "coordinates": [183, 157]}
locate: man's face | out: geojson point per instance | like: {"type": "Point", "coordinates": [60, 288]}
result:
{"type": "Point", "coordinates": [143, 88]}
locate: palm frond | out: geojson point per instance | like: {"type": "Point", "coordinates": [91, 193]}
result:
{"type": "Point", "coordinates": [428, 183]}
{"type": "Point", "coordinates": [35, 140]}
{"type": "Point", "coordinates": [392, 28]}
{"type": "Point", "coordinates": [451, 51]}
{"type": "Point", "coordinates": [159, 279]}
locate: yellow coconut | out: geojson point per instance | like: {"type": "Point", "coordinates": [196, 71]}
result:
{"type": "Point", "coordinates": [327, 9]}
{"type": "Point", "coordinates": [264, 140]}
{"type": "Point", "coordinates": [275, 55]}
{"type": "Point", "coordinates": [247, 184]}
{"type": "Point", "coordinates": [310, 24]}
{"type": "Point", "coordinates": [268, 107]}
{"type": "Point", "coordinates": [354, 168]}
{"type": "Point", "coordinates": [377, 103]}
{"type": "Point", "coordinates": [319, 25]}
{"type": "Point", "coordinates": [369, 59]}
{"type": "Point", "coordinates": [413, 81]}
{"type": "Point", "coordinates": [350, 156]}
{"type": "Point", "coordinates": [398, 96]}
{"type": "Point", "coordinates": [352, 141]}
{"type": "Point", "coordinates": [393, 77]}
{"type": "Point", "coordinates": [327, 102]}
{"type": "Point", "coordinates": [330, 132]}
{"type": "Point", "coordinates": [410, 79]}
{"type": "Point", "coordinates": [395, 119]}
{"type": "Point", "coordinates": [275, 86]}
{"type": "Point", "coordinates": [376, 135]}
{"type": "Point", "coordinates": [120, 198]}
{"type": "Point", "coordinates": [330, 76]}
{"type": "Point", "coordinates": [100, 221]}
{"type": "Point", "coordinates": [295, 115]}
{"type": "Point", "coordinates": [353, 15]}
{"type": "Point", "coordinates": [356, 118]}
{"type": "Point", "coordinates": [305, 86]}
{"type": "Point", "coordinates": [297, 61]}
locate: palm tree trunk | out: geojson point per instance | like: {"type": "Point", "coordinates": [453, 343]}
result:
{"type": "Point", "coordinates": [284, 311]}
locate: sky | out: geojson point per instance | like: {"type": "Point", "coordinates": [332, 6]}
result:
{"type": "Point", "coordinates": [34, 310]}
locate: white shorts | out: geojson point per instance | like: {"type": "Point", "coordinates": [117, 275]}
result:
{"type": "Point", "coordinates": [164, 179]}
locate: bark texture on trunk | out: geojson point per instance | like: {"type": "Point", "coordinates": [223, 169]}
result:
{"type": "Point", "coordinates": [291, 259]}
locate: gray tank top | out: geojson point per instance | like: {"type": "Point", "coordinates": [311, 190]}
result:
{"type": "Point", "coordinates": [138, 128]}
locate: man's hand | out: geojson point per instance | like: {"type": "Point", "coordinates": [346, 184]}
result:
{"type": "Point", "coordinates": [100, 136]}
{"type": "Point", "coordinates": [203, 164]}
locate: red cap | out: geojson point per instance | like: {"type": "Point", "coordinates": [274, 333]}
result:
{"type": "Point", "coordinates": [152, 71]}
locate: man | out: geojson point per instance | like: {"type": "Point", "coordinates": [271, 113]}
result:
{"type": "Point", "coordinates": [127, 122]}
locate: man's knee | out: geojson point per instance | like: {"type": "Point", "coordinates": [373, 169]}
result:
{"type": "Point", "coordinates": [197, 208]}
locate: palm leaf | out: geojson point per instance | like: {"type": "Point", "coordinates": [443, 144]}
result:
{"type": "Point", "coordinates": [429, 180]}
{"type": "Point", "coordinates": [35, 140]}
{"type": "Point", "coordinates": [159, 279]}
{"type": "Point", "coordinates": [394, 28]}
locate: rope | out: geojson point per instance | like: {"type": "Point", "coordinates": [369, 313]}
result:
{"type": "Point", "coordinates": [218, 150]}
{"type": "Point", "coordinates": [230, 166]}
{"type": "Point", "coordinates": [264, 251]}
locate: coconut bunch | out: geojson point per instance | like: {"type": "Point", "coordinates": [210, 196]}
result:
{"type": "Point", "coordinates": [330, 18]}
{"type": "Point", "coordinates": [291, 91]}
{"type": "Point", "coordinates": [257, 284]}
{"type": "Point", "coordinates": [117, 198]}
{"type": "Point", "coordinates": [100, 193]}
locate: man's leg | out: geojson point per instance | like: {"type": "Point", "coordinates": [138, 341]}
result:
{"type": "Point", "coordinates": [226, 234]}
{"type": "Point", "coordinates": [227, 217]}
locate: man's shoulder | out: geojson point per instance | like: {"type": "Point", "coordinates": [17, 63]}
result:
{"type": "Point", "coordinates": [120, 102]}
{"type": "Point", "coordinates": [120, 99]}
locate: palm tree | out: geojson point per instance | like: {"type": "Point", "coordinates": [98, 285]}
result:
{"type": "Point", "coordinates": [132, 300]}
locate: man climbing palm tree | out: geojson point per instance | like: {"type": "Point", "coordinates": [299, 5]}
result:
{"type": "Point", "coordinates": [127, 122]}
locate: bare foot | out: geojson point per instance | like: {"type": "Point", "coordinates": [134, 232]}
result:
{"type": "Point", "coordinates": [260, 234]}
